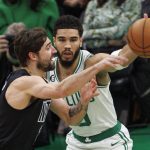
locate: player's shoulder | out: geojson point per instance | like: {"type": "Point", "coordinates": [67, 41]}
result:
{"type": "Point", "coordinates": [27, 81]}
{"type": "Point", "coordinates": [85, 54]}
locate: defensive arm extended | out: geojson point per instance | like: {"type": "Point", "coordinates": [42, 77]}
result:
{"type": "Point", "coordinates": [102, 76]}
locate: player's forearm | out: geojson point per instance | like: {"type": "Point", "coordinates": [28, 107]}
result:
{"type": "Point", "coordinates": [77, 113]}
{"type": "Point", "coordinates": [75, 82]}
{"type": "Point", "coordinates": [128, 53]}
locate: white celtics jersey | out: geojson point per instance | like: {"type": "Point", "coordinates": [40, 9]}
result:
{"type": "Point", "coordinates": [101, 114]}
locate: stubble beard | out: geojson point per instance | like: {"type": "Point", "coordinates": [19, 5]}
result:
{"type": "Point", "coordinates": [46, 68]}
{"type": "Point", "coordinates": [68, 64]}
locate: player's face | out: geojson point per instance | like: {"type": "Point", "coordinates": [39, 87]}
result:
{"type": "Point", "coordinates": [67, 43]}
{"type": "Point", "coordinates": [45, 56]}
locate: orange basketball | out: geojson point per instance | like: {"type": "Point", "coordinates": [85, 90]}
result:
{"type": "Point", "coordinates": [138, 37]}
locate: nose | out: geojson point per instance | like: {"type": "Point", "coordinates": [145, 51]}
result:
{"type": "Point", "coordinates": [67, 44]}
{"type": "Point", "coordinates": [53, 50]}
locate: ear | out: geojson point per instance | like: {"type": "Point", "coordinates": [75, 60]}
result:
{"type": "Point", "coordinates": [81, 40]}
{"type": "Point", "coordinates": [32, 56]}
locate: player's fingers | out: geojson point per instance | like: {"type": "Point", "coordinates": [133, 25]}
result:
{"type": "Point", "coordinates": [118, 60]}
{"type": "Point", "coordinates": [94, 88]}
{"type": "Point", "coordinates": [96, 93]}
{"type": "Point", "coordinates": [93, 83]}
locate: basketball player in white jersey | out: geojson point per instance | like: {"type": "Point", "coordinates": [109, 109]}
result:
{"type": "Point", "coordinates": [99, 130]}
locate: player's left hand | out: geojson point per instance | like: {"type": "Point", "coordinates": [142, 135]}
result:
{"type": "Point", "coordinates": [88, 92]}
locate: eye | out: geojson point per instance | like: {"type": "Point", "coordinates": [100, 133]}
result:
{"type": "Point", "coordinates": [61, 40]}
{"type": "Point", "coordinates": [73, 39]}
{"type": "Point", "coordinates": [48, 47]}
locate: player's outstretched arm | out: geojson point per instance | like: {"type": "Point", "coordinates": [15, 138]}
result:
{"type": "Point", "coordinates": [125, 52]}
{"type": "Point", "coordinates": [74, 82]}
{"type": "Point", "coordinates": [34, 86]}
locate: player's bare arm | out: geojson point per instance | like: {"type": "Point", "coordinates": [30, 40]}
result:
{"type": "Point", "coordinates": [102, 77]}
{"type": "Point", "coordinates": [65, 87]}
{"type": "Point", "coordinates": [34, 86]}
{"type": "Point", "coordinates": [125, 52]}
{"type": "Point", "coordinates": [128, 53]}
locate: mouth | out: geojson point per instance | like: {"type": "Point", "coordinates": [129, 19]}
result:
{"type": "Point", "coordinates": [67, 54]}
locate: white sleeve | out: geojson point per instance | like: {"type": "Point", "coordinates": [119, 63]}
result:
{"type": "Point", "coordinates": [116, 53]}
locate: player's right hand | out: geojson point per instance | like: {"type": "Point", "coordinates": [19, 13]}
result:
{"type": "Point", "coordinates": [88, 92]}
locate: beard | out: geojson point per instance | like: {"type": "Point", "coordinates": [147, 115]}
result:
{"type": "Point", "coordinates": [67, 64]}
{"type": "Point", "coordinates": [46, 67]}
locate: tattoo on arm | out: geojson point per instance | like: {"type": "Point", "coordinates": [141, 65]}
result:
{"type": "Point", "coordinates": [77, 109]}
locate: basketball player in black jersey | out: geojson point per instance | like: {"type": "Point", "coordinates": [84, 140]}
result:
{"type": "Point", "coordinates": [26, 96]}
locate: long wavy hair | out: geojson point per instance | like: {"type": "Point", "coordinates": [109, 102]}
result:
{"type": "Point", "coordinates": [102, 2]}
{"type": "Point", "coordinates": [33, 4]}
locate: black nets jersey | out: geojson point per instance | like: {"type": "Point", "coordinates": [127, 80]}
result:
{"type": "Point", "coordinates": [20, 128]}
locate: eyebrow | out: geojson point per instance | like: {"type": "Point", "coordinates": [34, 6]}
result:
{"type": "Point", "coordinates": [60, 37]}
{"type": "Point", "coordinates": [50, 43]}
{"type": "Point", "coordinates": [65, 37]}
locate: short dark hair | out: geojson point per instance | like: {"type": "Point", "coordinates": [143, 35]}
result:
{"type": "Point", "coordinates": [68, 22]}
{"type": "Point", "coordinates": [29, 40]}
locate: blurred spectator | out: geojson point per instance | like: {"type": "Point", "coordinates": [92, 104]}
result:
{"type": "Point", "coordinates": [106, 23]}
{"type": "Point", "coordinates": [33, 13]}
{"type": "Point", "coordinates": [8, 61]}
{"type": "Point", "coordinates": [72, 7]}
